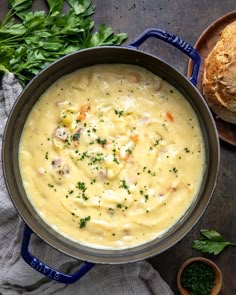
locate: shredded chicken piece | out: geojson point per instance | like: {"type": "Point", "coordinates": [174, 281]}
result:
{"type": "Point", "coordinates": [61, 133]}
{"type": "Point", "coordinates": [60, 167]}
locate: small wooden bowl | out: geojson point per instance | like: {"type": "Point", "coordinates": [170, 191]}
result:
{"type": "Point", "coordinates": [218, 276]}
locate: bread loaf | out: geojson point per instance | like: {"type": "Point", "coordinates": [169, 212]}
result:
{"type": "Point", "coordinates": [219, 77]}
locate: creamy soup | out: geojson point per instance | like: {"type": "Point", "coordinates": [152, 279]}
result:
{"type": "Point", "coordinates": [111, 156]}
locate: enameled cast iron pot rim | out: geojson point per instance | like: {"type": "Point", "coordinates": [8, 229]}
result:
{"type": "Point", "coordinates": [106, 55]}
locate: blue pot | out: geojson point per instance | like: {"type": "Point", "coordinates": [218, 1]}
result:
{"type": "Point", "coordinates": [24, 104]}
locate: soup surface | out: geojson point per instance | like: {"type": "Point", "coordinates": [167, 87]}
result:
{"type": "Point", "coordinates": [111, 156]}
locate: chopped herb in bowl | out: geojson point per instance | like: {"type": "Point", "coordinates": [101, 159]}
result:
{"type": "Point", "coordinates": [199, 276]}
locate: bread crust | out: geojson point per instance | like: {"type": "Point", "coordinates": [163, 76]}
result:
{"type": "Point", "coordinates": [219, 77]}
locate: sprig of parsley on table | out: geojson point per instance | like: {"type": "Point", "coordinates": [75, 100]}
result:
{"type": "Point", "coordinates": [211, 242]}
{"type": "Point", "coordinates": [29, 41]}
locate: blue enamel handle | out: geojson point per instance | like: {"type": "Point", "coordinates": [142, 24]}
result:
{"type": "Point", "coordinates": [44, 268]}
{"type": "Point", "coordinates": [176, 42]}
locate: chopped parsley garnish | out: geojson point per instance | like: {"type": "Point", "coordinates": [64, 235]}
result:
{"type": "Point", "coordinates": [84, 197]}
{"type": "Point", "coordinates": [129, 151]}
{"type": "Point", "coordinates": [118, 205]}
{"type": "Point", "coordinates": [116, 160]}
{"type": "Point", "coordinates": [119, 113]}
{"type": "Point", "coordinates": [88, 132]}
{"type": "Point", "coordinates": [115, 157]}
{"type": "Point", "coordinates": [46, 155]}
{"type": "Point", "coordinates": [93, 181]}
{"type": "Point", "coordinates": [83, 221]}
{"type": "Point", "coordinates": [67, 142]}
{"type": "Point", "coordinates": [76, 136]}
{"type": "Point", "coordinates": [84, 155]}
{"type": "Point", "coordinates": [101, 141]}
{"type": "Point", "coordinates": [151, 173]}
{"type": "Point", "coordinates": [157, 142]}
{"type": "Point", "coordinates": [98, 158]}
{"type": "Point", "coordinates": [81, 186]}
{"type": "Point", "coordinates": [164, 125]}
{"type": "Point", "coordinates": [174, 170]}
{"type": "Point", "coordinates": [123, 184]}
{"type": "Point", "coordinates": [187, 150]}
{"type": "Point", "coordinates": [50, 185]}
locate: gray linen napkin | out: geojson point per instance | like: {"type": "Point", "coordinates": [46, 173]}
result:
{"type": "Point", "coordinates": [16, 277]}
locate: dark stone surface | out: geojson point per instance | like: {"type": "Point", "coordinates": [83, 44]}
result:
{"type": "Point", "coordinates": [188, 19]}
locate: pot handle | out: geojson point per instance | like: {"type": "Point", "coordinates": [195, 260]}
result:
{"type": "Point", "coordinates": [176, 42]}
{"type": "Point", "coordinates": [44, 268]}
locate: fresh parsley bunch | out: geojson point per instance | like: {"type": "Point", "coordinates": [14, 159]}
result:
{"type": "Point", "coordinates": [39, 38]}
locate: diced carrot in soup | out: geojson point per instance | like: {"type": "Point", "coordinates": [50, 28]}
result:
{"type": "Point", "coordinates": [135, 138]}
{"type": "Point", "coordinates": [169, 117]}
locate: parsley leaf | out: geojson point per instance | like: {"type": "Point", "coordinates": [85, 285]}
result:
{"type": "Point", "coordinates": [19, 5]}
{"type": "Point", "coordinates": [105, 36]}
{"type": "Point", "coordinates": [211, 242]}
{"type": "Point", "coordinates": [55, 7]}
{"type": "Point", "coordinates": [82, 6]}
